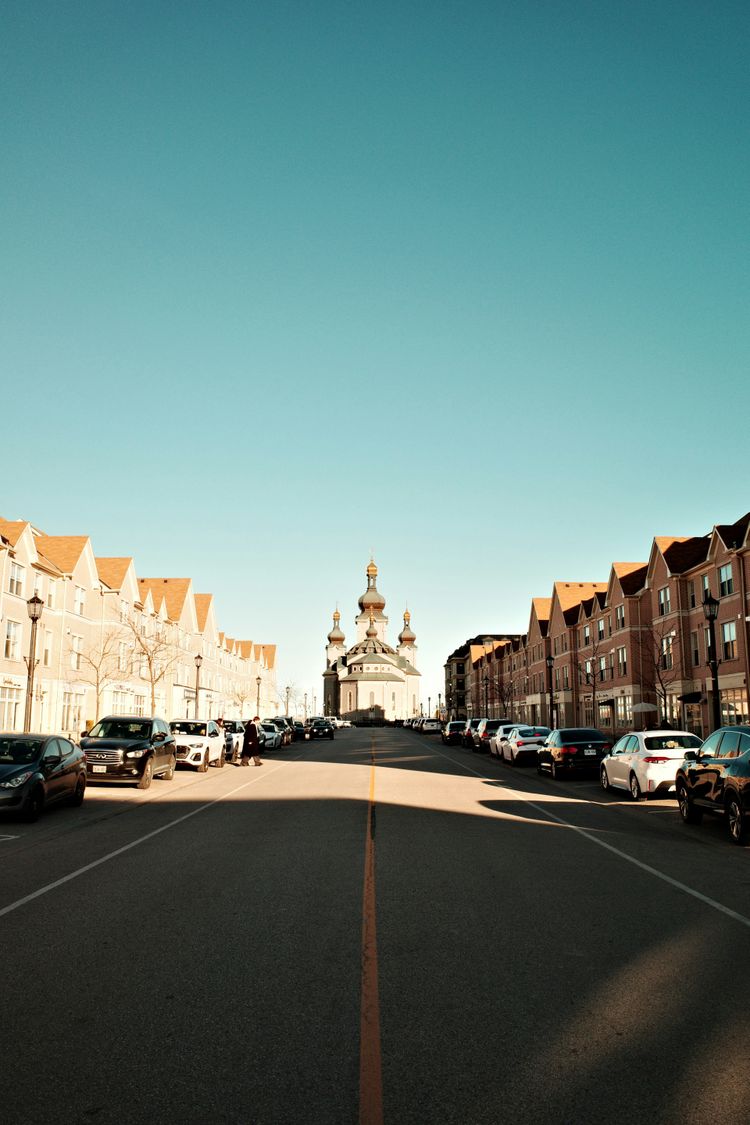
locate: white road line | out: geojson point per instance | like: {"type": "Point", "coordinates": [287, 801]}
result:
{"type": "Point", "coordinates": [127, 847]}
{"type": "Point", "coordinates": [593, 839]}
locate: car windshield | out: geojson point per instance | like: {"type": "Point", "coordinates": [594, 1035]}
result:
{"type": "Point", "coordinates": [672, 742]}
{"type": "Point", "coordinates": [121, 728]}
{"type": "Point", "coordinates": [19, 751]}
{"type": "Point", "coordinates": [185, 727]}
{"type": "Point", "coordinates": [270, 728]}
{"type": "Point", "coordinates": [456, 726]}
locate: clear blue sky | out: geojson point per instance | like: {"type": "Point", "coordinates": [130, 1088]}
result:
{"type": "Point", "coordinates": [463, 282]}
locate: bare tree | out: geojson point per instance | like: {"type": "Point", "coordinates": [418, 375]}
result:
{"type": "Point", "coordinates": [154, 653]}
{"type": "Point", "coordinates": [592, 672]}
{"type": "Point", "coordinates": [660, 658]}
{"type": "Point", "coordinates": [100, 663]}
{"type": "Point", "coordinates": [241, 694]}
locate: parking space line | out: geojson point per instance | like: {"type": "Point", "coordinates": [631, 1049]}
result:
{"type": "Point", "coordinates": [127, 847]}
{"type": "Point", "coordinates": [594, 839]}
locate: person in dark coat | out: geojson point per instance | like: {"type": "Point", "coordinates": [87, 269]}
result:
{"type": "Point", "coordinates": [251, 743]}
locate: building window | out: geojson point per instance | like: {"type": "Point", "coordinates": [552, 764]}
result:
{"type": "Point", "coordinates": [15, 582]}
{"type": "Point", "coordinates": [624, 710]}
{"type": "Point", "coordinates": [120, 702]}
{"type": "Point", "coordinates": [665, 603]}
{"type": "Point", "coordinates": [705, 586]}
{"type": "Point", "coordinates": [47, 650]}
{"type": "Point", "coordinates": [10, 708]}
{"type": "Point", "coordinates": [667, 659]}
{"type": "Point", "coordinates": [622, 662]}
{"type": "Point", "coordinates": [76, 644]}
{"type": "Point", "coordinates": [733, 706]}
{"type": "Point", "coordinates": [139, 705]}
{"type": "Point", "coordinates": [79, 603]}
{"type": "Point", "coordinates": [12, 640]}
{"type": "Point", "coordinates": [71, 712]}
{"type": "Point", "coordinates": [557, 679]}
{"type": "Point", "coordinates": [600, 629]}
{"type": "Point", "coordinates": [620, 617]}
{"type": "Point", "coordinates": [122, 656]}
{"type": "Point", "coordinates": [729, 640]}
{"type": "Point", "coordinates": [51, 594]}
{"type": "Point", "coordinates": [566, 677]}
{"type": "Point", "coordinates": [726, 584]}
{"type": "Point", "coordinates": [691, 593]}
{"type": "Point", "coordinates": [602, 668]}
{"type": "Point", "coordinates": [695, 649]}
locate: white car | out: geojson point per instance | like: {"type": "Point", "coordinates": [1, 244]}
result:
{"type": "Point", "coordinates": [521, 744]}
{"type": "Point", "coordinates": [645, 762]}
{"type": "Point", "coordinates": [273, 738]}
{"type": "Point", "coordinates": [430, 726]}
{"type": "Point", "coordinates": [199, 743]}
{"type": "Point", "coordinates": [501, 735]}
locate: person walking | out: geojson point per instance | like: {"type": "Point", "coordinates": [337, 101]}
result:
{"type": "Point", "coordinates": [251, 743]}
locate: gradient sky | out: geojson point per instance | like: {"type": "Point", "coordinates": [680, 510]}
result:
{"type": "Point", "coordinates": [464, 283]}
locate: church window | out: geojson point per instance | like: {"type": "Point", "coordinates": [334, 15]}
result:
{"type": "Point", "coordinates": [372, 698]}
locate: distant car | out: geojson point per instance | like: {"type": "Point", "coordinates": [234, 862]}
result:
{"type": "Point", "coordinates": [451, 733]}
{"type": "Point", "coordinates": [484, 734]}
{"type": "Point", "coordinates": [572, 750]}
{"type": "Point", "coordinates": [318, 728]}
{"type": "Point", "coordinates": [129, 748]}
{"type": "Point", "coordinates": [430, 726]}
{"type": "Point", "coordinates": [199, 743]}
{"type": "Point", "coordinates": [237, 731]}
{"type": "Point", "coordinates": [501, 734]}
{"type": "Point", "coordinates": [715, 779]}
{"type": "Point", "coordinates": [334, 721]}
{"type": "Point", "coordinates": [283, 728]}
{"type": "Point", "coordinates": [467, 738]}
{"type": "Point", "coordinates": [272, 736]}
{"type": "Point", "coordinates": [38, 770]}
{"type": "Point", "coordinates": [522, 743]}
{"type": "Point", "coordinates": [298, 730]}
{"type": "Point", "coordinates": [645, 762]}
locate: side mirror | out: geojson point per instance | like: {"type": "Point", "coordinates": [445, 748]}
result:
{"type": "Point", "coordinates": [51, 760]}
{"type": "Point", "coordinates": [159, 736]}
{"type": "Point", "coordinates": [692, 755]}
{"type": "Point", "coordinates": [213, 734]}
{"type": "Point", "coordinates": [84, 734]}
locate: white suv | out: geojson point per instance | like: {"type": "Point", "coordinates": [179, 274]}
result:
{"type": "Point", "coordinates": [199, 743]}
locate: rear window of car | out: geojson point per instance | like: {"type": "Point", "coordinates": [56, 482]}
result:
{"type": "Point", "coordinates": [533, 732]}
{"type": "Point", "coordinates": [492, 724]}
{"type": "Point", "coordinates": [456, 726]}
{"type": "Point", "coordinates": [672, 742]}
{"type": "Point", "coordinates": [582, 734]}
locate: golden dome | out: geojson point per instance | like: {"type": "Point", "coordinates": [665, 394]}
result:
{"type": "Point", "coordinates": [372, 570]}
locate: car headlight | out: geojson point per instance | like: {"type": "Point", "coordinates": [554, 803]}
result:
{"type": "Point", "coordinates": [135, 753]}
{"type": "Point", "coordinates": [14, 782]}
{"type": "Point", "coordinates": [196, 745]}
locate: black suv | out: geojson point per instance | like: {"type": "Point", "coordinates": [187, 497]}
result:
{"type": "Point", "coordinates": [716, 779]}
{"type": "Point", "coordinates": [318, 728]}
{"type": "Point", "coordinates": [129, 748]}
{"type": "Point", "coordinates": [572, 750]}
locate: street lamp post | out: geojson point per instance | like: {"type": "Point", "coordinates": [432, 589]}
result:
{"type": "Point", "coordinates": [549, 662]}
{"type": "Point", "coordinates": [440, 706]}
{"type": "Point", "coordinates": [429, 706]}
{"type": "Point", "coordinates": [486, 683]}
{"type": "Point", "coordinates": [35, 606]}
{"type": "Point", "coordinates": [288, 693]}
{"type": "Point", "coordinates": [198, 662]}
{"type": "Point", "coordinates": [258, 682]}
{"type": "Point", "coordinates": [711, 610]}
{"type": "Point", "coordinates": [305, 706]}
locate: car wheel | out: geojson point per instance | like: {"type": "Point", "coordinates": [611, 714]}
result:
{"type": "Point", "coordinates": [146, 777]}
{"type": "Point", "coordinates": [512, 758]}
{"type": "Point", "coordinates": [169, 772]}
{"type": "Point", "coordinates": [221, 761]}
{"type": "Point", "coordinates": [203, 767]}
{"type": "Point", "coordinates": [739, 830]}
{"type": "Point", "coordinates": [555, 773]}
{"type": "Point", "coordinates": [33, 805]}
{"type": "Point", "coordinates": [604, 779]}
{"type": "Point", "coordinates": [635, 790]}
{"type": "Point", "coordinates": [79, 792]}
{"type": "Point", "coordinates": [688, 811]}
{"type": "Point", "coordinates": [539, 769]}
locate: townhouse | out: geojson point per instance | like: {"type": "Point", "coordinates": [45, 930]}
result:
{"type": "Point", "coordinates": [107, 641]}
{"type": "Point", "coordinates": [632, 651]}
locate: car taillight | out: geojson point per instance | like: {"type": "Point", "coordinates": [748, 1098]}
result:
{"type": "Point", "coordinates": [485, 734]}
{"type": "Point", "coordinates": [654, 759]}
{"type": "Point", "coordinates": [606, 748]}
{"type": "Point", "coordinates": [568, 749]}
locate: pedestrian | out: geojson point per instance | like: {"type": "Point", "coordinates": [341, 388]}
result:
{"type": "Point", "coordinates": [251, 743]}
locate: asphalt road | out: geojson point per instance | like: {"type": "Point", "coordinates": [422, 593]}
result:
{"type": "Point", "coordinates": [373, 929]}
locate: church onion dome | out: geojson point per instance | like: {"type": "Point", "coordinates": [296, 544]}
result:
{"type": "Point", "coordinates": [336, 636]}
{"type": "Point", "coordinates": [371, 628]}
{"type": "Point", "coordinates": [372, 599]}
{"type": "Point", "coordinates": [406, 636]}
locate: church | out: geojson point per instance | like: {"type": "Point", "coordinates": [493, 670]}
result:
{"type": "Point", "coordinates": [371, 682]}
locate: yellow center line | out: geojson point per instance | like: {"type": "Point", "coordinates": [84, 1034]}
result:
{"type": "Point", "coordinates": [370, 1066]}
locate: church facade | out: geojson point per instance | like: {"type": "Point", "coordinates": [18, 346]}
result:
{"type": "Point", "coordinates": [371, 682]}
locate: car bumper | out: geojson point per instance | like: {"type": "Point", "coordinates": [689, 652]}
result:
{"type": "Point", "coordinates": [192, 758]}
{"type": "Point", "coordinates": [13, 798]}
{"type": "Point", "coordinates": [115, 771]}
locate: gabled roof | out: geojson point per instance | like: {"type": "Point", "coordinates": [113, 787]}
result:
{"type": "Point", "coordinates": [63, 550]}
{"type": "Point", "coordinates": [112, 571]}
{"type": "Point", "coordinates": [246, 649]}
{"type": "Point", "coordinates": [570, 595]}
{"type": "Point", "coordinates": [202, 608]}
{"type": "Point", "coordinates": [174, 591]}
{"type": "Point", "coordinates": [269, 651]}
{"type": "Point", "coordinates": [680, 552]}
{"type": "Point", "coordinates": [12, 530]}
{"type": "Point", "coordinates": [631, 576]}
{"type": "Point", "coordinates": [733, 535]}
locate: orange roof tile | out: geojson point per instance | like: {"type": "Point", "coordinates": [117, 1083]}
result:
{"type": "Point", "coordinates": [63, 550]}
{"type": "Point", "coordinates": [571, 594]}
{"type": "Point", "coordinates": [270, 654]}
{"type": "Point", "coordinates": [542, 607]}
{"type": "Point", "coordinates": [12, 530]}
{"type": "Point", "coordinates": [173, 590]}
{"type": "Point", "coordinates": [202, 607]}
{"type": "Point", "coordinates": [112, 571]}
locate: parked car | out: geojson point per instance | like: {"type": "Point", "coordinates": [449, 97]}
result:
{"type": "Point", "coordinates": [572, 750]}
{"type": "Point", "coordinates": [38, 770]}
{"type": "Point", "coordinates": [129, 748]}
{"type": "Point", "coordinates": [199, 743]}
{"type": "Point", "coordinates": [298, 730]}
{"type": "Point", "coordinates": [237, 731]}
{"type": "Point", "coordinates": [318, 728]}
{"type": "Point", "coordinates": [283, 728]}
{"type": "Point", "coordinates": [501, 734]}
{"type": "Point", "coordinates": [522, 743]}
{"type": "Point", "coordinates": [716, 779]}
{"type": "Point", "coordinates": [272, 736]}
{"type": "Point", "coordinates": [431, 726]}
{"type": "Point", "coordinates": [645, 761]}
{"type": "Point", "coordinates": [467, 738]}
{"type": "Point", "coordinates": [452, 732]}
{"type": "Point", "coordinates": [484, 733]}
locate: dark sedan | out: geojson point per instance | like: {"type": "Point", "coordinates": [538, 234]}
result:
{"type": "Point", "coordinates": [318, 728]}
{"type": "Point", "coordinates": [452, 732]}
{"type": "Point", "coordinates": [716, 779]}
{"type": "Point", "coordinates": [572, 750]}
{"type": "Point", "coordinates": [38, 770]}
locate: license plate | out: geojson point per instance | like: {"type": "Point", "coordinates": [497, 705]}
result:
{"type": "Point", "coordinates": [98, 769]}
{"type": "Point", "coordinates": [590, 752]}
